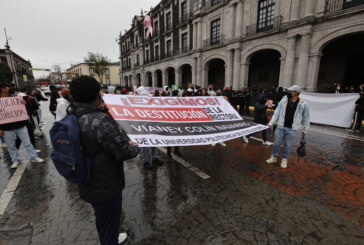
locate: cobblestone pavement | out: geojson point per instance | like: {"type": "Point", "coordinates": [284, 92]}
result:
{"type": "Point", "coordinates": [318, 199]}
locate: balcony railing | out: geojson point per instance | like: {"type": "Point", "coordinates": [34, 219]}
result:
{"type": "Point", "coordinates": [333, 6]}
{"type": "Point", "coordinates": [211, 4]}
{"type": "Point", "coordinates": [273, 24]}
{"type": "Point", "coordinates": [217, 41]}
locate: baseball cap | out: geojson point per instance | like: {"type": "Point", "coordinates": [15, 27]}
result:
{"type": "Point", "coordinates": [295, 88]}
{"type": "Point", "coordinates": [175, 87]}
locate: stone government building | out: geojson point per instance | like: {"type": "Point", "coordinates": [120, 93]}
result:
{"type": "Point", "coordinates": [241, 43]}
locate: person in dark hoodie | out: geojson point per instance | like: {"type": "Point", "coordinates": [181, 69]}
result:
{"type": "Point", "coordinates": [53, 101]}
{"type": "Point", "coordinates": [16, 129]}
{"type": "Point", "coordinates": [102, 140]}
{"type": "Point", "coordinates": [260, 110]}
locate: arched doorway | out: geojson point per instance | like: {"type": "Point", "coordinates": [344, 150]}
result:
{"type": "Point", "coordinates": [126, 81]}
{"type": "Point", "coordinates": [342, 62]}
{"type": "Point", "coordinates": [186, 75]}
{"type": "Point", "coordinates": [148, 79]}
{"type": "Point", "coordinates": [138, 80]}
{"type": "Point", "coordinates": [264, 69]}
{"type": "Point", "coordinates": [131, 80]}
{"type": "Point", "coordinates": [158, 75]}
{"type": "Point", "coordinates": [171, 76]}
{"type": "Point", "coordinates": [216, 73]}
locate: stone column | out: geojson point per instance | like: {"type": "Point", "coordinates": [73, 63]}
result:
{"type": "Point", "coordinates": [303, 60]}
{"type": "Point", "coordinates": [194, 71]}
{"type": "Point", "coordinates": [237, 57]}
{"type": "Point", "coordinates": [244, 74]}
{"type": "Point", "coordinates": [281, 72]}
{"type": "Point", "coordinates": [229, 68]}
{"type": "Point", "coordinates": [199, 71]}
{"type": "Point", "coordinates": [205, 77]}
{"type": "Point", "coordinates": [178, 77]}
{"type": "Point", "coordinates": [194, 35]}
{"type": "Point", "coordinates": [230, 22]}
{"type": "Point", "coordinates": [155, 79]}
{"type": "Point", "coordinates": [295, 9]}
{"type": "Point", "coordinates": [199, 34]}
{"type": "Point", "coordinates": [239, 19]}
{"type": "Point", "coordinates": [290, 61]}
{"type": "Point", "coordinates": [164, 79]}
{"type": "Point", "coordinates": [310, 4]}
{"type": "Point", "coordinates": [314, 72]}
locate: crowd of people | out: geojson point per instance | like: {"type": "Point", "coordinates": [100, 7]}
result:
{"type": "Point", "coordinates": [104, 142]}
{"type": "Point", "coordinates": [337, 88]}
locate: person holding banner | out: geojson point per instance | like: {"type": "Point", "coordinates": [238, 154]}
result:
{"type": "Point", "coordinates": [291, 115]}
{"type": "Point", "coordinates": [144, 150]}
{"type": "Point", "coordinates": [14, 129]}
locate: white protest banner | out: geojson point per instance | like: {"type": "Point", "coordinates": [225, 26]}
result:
{"type": "Point", "coordinates": [178, 121]}
{"type": "Point", "coordinates": [12, 110]}
{"type": "Point", "coordinates": [331, 109]}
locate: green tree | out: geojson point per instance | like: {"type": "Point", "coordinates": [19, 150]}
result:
{"type": "Point", "coordinates": [6, 76]}
{"type": "Point", "coordinates": [98, 63]}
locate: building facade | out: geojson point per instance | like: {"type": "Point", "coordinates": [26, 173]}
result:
{"type": "Point", "coordinates": [21, 68]}
{"type": "Point", "coordinates": [111, 74]}
{"type": "Point", "coordinates": [246, 43]}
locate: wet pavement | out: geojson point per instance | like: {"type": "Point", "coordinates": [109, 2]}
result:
{"type": "Point", "coordinates": [318, 199]}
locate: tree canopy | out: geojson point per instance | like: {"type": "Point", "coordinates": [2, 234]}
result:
{"type": "Point", "coordinates": [98, 63]}
{"type": "Point", "coordinates": [6, 76]}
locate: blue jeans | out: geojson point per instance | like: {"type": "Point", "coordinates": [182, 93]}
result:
{"type": "Point", "coordinates": [22, 134]}
{"type": "Point", "coordinates": [144, 153]}
{"type": "Point", "coordinates": [2, 139]}
{"type": "Point", "coordinates": [286, 136]}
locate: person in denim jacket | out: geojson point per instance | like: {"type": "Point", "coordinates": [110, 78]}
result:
{"type": "Point", "coordinates": [291, 115]}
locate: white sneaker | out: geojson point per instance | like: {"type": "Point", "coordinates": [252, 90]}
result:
{"type": "Point", "coordinates": [272, 159]}
{"type": "Point", "coordinates": [37, 151]}
{"type": "Point", "coordinates": [246, 139]}
{"type": "Point", "coordinates": [3, 145]}
{"type": "Point", "coordinates": [15, 164]}
{"type": "Point", "coordinates": [38, 160]}
{"type": "Point", "coordinates": [284, 163]}
{"type": "Point", "coordinates": [222, 143]}
{"type": "Point", "coordinates": [267, 143]}
{"type": "Point", "coordinates": [122, 237]}
{"type": "Point", "coordinates": [213, 144]}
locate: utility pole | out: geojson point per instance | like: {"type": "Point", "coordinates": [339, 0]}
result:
{"type": "Point", "coordinates": [7, 46]}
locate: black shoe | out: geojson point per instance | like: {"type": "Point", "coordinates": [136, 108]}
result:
{"type": "Point", "coordinates": [147, 166]}
{"type": "Point", "coordinates": [178, 153]}
{"type": "Point", "coordinates": [157, 161]}
{"type": "Point", "coordinates": [169, 154]}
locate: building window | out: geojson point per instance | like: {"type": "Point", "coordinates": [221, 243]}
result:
{"type": "Point", "coordinates": [168, 21]}
{"type": "Point", "coordinates": [184, 43]}
{"type": "Point", "coordinates": [137, 60]}
{"type": "Point", "coordinates": [136, 41]}
{"type": "Point", "coordinates": [213, 2]}
{"type": "Point", "coordinates": [215, 32]}
{"type": "Point", "coordinates": [184, 13]}
{"type": "Point", "coordinates": [147, 56]}
{"type": "Point", "coordinates": [266, 14]}
{"type": "Point", "coordinates": [129, 63]}
{"type": "Point", "coordinates": [156, 52]}
{"type": "Point", "coordinates": [351, 3]}
{"type": "Point", "coordinates": [108, 80]}
{"type": "Point", "coordinates": [169, 48]}
{"type": "Point", "coordinates": [156, 28]}
{"type": "Point", "coordinates": [91, 71]}
{"type": "Point", "coordinates": [107, 72]}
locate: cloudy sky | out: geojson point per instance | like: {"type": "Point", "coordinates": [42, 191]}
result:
{"type": "Point", "coordinates": [61, 32]}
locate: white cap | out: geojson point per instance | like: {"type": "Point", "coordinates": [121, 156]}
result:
{"type": "Point", "coordinates": [140, 90]}
{"type": "Point", "coordinates": [295, 88]}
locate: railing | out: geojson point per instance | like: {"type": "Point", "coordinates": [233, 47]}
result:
{"type": "Point", "coordinates": [212, 4]}
{"type": "Point", "coordinates": [272, 24]}
{"type": "Point", "coordinates": [332, 6]}
{"type": "Point", "coordinates": [218, 40]}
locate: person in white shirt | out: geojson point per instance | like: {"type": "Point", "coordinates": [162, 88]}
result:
{"type": "Point", "coordinates": [62, 104]}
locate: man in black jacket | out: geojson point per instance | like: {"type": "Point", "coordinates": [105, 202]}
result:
{"type": "Point", "coordinates": [359, 114]}
{"type": "Point", "coordinates": [102, 140]}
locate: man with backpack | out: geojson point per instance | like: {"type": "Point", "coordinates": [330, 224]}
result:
{"type": "Point", "coordinates": [101, 141]}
